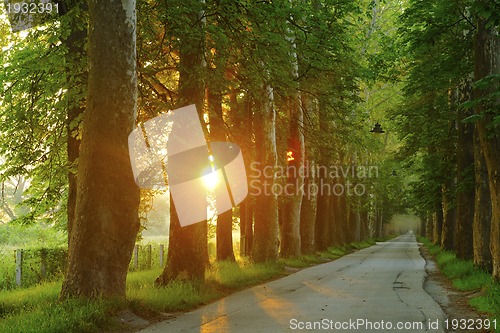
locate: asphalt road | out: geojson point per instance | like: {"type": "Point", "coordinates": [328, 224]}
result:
{"type": "Point", "coordinates": [378, 289]}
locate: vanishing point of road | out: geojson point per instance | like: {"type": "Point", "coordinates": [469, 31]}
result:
{"type": "Point", "coordinates": [377, 289]}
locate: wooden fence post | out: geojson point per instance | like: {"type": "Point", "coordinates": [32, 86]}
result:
{"type": "Point", "coordinates": [148, 256]}
{"type": "Point", "coordinates": [19, 267]}
{"type": "Point", "coordinates": [162, 250]}
{"type": "Point", "coordinates": [136, 257]}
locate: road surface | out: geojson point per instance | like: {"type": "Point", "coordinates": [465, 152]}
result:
{"type": "Point", "coordinates": [378, 289]}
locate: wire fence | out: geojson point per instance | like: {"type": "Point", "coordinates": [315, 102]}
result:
{"type": "Point", "coordinates": [27, 267]}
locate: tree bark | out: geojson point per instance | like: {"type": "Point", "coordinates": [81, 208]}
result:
{"type": "Point", "coordinates": [428, 227]}
{"type": "Point", "coordinates": [290, 232]}
{"type": "Point", "coordinates": [246, 207]}
{"type": "Point", "coordinates": [308, 213]}
{"type": "Point", "coordinates": [487, 62]}
{"type": "Point", "coordinates": [321, 225]}
{"type": "Point", "coordinates": [465, 173]}
{"type": "Point", "coordinates": [187, 255]}
{"type": "Point", "coordinates": [76, 78]}
{"type": "Point", "coordinates": [224, 227]}
{"type": "Point", "coordinates": [482, 210]}
{"type": "Point", "coordinates": [290, 226]}
{"type": "Point", "coordinates": [449, 217]}
{"type": "Point", "coordinates": [106, 214]}
{"type": "Point", "coordinates": [437, 222]}
{"type": "Point", "coordinates": [266, 243]}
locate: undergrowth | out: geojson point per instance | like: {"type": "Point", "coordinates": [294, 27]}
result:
{"type": "Point", "coordinates": [466, 277]}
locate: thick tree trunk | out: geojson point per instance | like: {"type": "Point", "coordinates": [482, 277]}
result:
{"type": "Point", "coordinates": [308, 213]}
{"type": "Point", "coordinates": [224, 227]}
{"type": "Point", "coordinates": [437, 222]}
{"type": "Point", "coordinates": [266, 243]}
{"type": "Point", "coordinates": [465, 173]}
{"type": "Point", "coordinates": [77, 77]}
{"type": "Point", "coordinates": [449, 218]}
{"type": "Point", "coordinates": [487, 62]}
{"type": "Point", "coordinates": [246, 227]}
{"type": "Point", "coordinates": [428, 227]}
{"type": "Point", "coordinates": [482, 210]}
{"type": "Point", "coordinates": [333, 222]}
{"type": "Point", "coordinates": [246, 207]}
{"type": "Point", "coordinates": [290, 231]}
{"type": "Point", "coordinates": [322, 231]}
{"type": "Point", "coordinates": [364, 224]}
{"type": "Point", "coordinates": [292, 198]}
{"type": "Point", "coordinates": [187, 255]}
{"type": "Point", "coordinates": [106, 214]}
{"type": "Point", "coordinates": [343, 213]}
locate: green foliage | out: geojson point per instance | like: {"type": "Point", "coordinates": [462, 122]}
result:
{"type": "Point", "coordinates": [40, 235]}
{"type": "Point", "coordinates": [38, 83]}
{"type": "Point", "coordinates": [491, 84]}
{"type": "Point", "coordinates": [437, 39]}
{"type": "Point", "coordinates": [466, 277]}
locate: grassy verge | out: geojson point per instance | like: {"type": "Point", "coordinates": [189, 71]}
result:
{"type": "Point", "coordinates": [37, 309]}
{"type": "Point", "coordinates": [465, 277]}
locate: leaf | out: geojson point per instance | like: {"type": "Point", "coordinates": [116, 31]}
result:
{"type": "Point", "coordinates": [472, 119]}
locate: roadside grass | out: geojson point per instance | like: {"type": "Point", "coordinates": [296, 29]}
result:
{"type": "Point", "coordinates": [37, 308]}
{"type": "Point", "coordinates": [466, 277]}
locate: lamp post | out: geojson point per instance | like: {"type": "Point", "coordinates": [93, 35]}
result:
{"type": "Point", "coordinates": [377, 129]}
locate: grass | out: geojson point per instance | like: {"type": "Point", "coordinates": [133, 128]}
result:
{"type": "Point", "coordinates": [37, 309]}
{"type": "Point", "coordinates": [466, 277]}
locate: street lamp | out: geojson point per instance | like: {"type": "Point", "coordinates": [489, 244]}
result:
{"type": "Point", "coordinates": [377, 129]}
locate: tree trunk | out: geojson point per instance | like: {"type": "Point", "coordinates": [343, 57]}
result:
{"type": "Point", "coordinates": [187, 255]}
{"type": "Point", "coordinates": [308, 213]}
{"type": "Point", "coordinates": [465, 173]}
{"type": "Point", "coordinates": [292, 198]}
{"type": "Point", "coordinates": [437, 222]}
{"type": "Point", "coordinates": [106, 212]}
{"type": "Point", "coordinates": [266, 243]}
{"type": "Point", "coordinates": [333, 225]}
{"type": "Point", "coordinates": [449, 217]}
{"type": "Point", "coordinates": [428, 227]}
{"type": "Point", "coordinates": [77, 76]}
{"type": "Point", "coordinates": [246, 207]}
{"type": "Point", "coordinates": [487, 62]}
{"type": "Point", "coordinates": [246, 227]}
{"type": "Point", "coordinates": [224, 227]}
{"type": "Point", "coordinates": [482, 210]}
{"type": "Point", "coordinates": [290, 232]}
{"type": "Point", "coordinates": [321, 225]}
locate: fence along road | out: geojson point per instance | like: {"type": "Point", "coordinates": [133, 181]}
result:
{"type": "Point", "coordinates": [379, 288]}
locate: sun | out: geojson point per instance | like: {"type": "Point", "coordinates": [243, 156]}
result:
{"type": "Point", "coordinates": [211, 180]}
